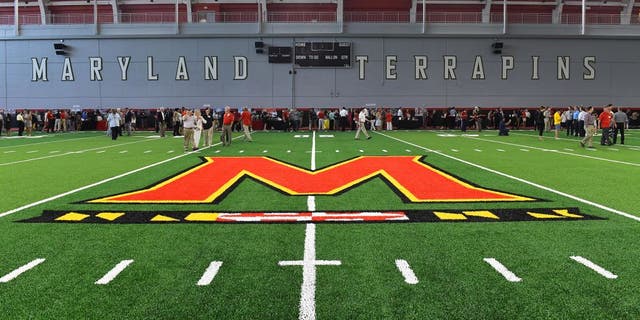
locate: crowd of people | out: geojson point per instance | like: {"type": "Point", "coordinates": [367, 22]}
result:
{"type": "Point", "coordinates": [199, 124]}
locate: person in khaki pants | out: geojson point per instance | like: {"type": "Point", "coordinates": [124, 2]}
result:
{"type": "Point", "coordinates": [246, 124]}
{"type": "Point", "coordinates": [189, 124]}
{"type": "Point", "coordinates": [590, 128]}
{"type": "Point", "coordinates": [227, 122]}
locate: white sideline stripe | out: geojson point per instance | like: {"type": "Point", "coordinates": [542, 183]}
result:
{"type": "Point", "coordinates": [101, 151]}
{"type": "Point", "coordinates": [32, 151]}
{"type": "Point", "coordinates": [210, 273]}
{"type": "Point", "coordinates": [98, 183]}
{"type": "Point", "coordinates": [600, 270]}
{"type": "Point", "coordinates": [56, 151]}
{"type": "Point", "coordinates": [575, 140]}
{"type": "Point", "coordinates": [113, 273]}
{"type": "Point", "coordinates": [10, 151]}
{"type": "Point", "coordinates": [68, 153]}
{"type": "Point", "coordinates": [591, 203]}
{"type": "Point", "coordinates": [309, 263]}
{"type": "Point", "coordinates": [560, 152]}
{"type": "Point", "coordinates": [124, 151]}
{"type": "Point", "coordinates": [407, 273]}
{"type": "Point", "coordinates": [311, 203]}
{"type": "Point", "coordinates": [15, 273]}
{"type": "Point", "coordinates": [510, 276]}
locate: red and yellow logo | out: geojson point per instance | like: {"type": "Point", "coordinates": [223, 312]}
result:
{"type": "Point", "coordinates": [412, 179]}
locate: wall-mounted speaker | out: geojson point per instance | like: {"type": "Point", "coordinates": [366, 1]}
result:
{"type": "Point", "coordinates": [259, 44]}
{"type": "Point", "coordinates": [60, 49]}
{"type": "Point", "coordinates": [259, 51]}
{"type": "Point", "coordinates": [497, 47]}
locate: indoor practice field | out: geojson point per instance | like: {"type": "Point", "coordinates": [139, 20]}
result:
{"type": "Point", "coordinates": [319, 225]}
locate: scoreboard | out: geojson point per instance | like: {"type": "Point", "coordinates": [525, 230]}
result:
{"type": "Point", "coordinates": [279, 54]}
{"type": "Point", "coordinates": [323, 54]}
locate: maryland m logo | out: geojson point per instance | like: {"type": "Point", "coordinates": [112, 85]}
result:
{"type": "Point", "coordinates": [414, 180]}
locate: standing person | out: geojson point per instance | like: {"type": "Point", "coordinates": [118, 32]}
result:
{"type": "Point", "coordinates": [246, 124]}
{"type": "Point", "coordinates": [294, 115]}
{"type": "Point", "coordinates": [622, 121]}
{"type": "Point", "coordinates": [477, 118]}
{"type": "Point", "coordinates": [227, 122]}
{"type": "Point", "coordinates": [177, 119]}
{"type": "Point", "coordinates": [378, 124]}
{"type": "Point", "coordinates": [389, 120]}
{"type": "Point", "coordinates": [128, 114]}
{"type": "Point", "coordinates": [7, 123]}
{"type": "Point", "coordinates": [539, 119]}
{"type": "Point", "coordinates": [207, 128]}
{"type": "Point", "coordinates": [197, 130]}
{"type": "Point", "coordinates": [1, 121]}
{"type": "Point", "coordinates": [362, 119]}
{"type": "Point", "coordinates": [557, 120]}
{"type": "Point", "coordinates": [344, 114]}
{"type": "Point", "coordinates": [188, 127]}
{"type": "Point", "coordinates": [463, 120]}
{"type": "Point", "coordinates": [320, 120]}
{"type": "Point", "coordinates": [590, 128]}
{"type": "Point", "coordinates": [605, 124]}
{"type": "Point", "coordinates": [28, 122]}
{"type": "Point", "coordinates": [162, 121]}
{"type": "Point", "coordinates": [63, 120]}
{"type": "Point", "coordinates": [20, 121]}
{"type": "Point", "coordinates": [113, 120]}
{"type": "Point", "coordinates": [547, 115]}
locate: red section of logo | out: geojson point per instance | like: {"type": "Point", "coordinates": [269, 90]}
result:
{"type": "Point", "coordinates": [416, 181]}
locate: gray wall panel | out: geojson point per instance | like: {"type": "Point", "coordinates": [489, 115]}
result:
{"type": "Point", "coordinates": [617, 67]}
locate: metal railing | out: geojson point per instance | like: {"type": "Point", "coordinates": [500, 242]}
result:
{"type": "Point", "coordinates": [315, 17]}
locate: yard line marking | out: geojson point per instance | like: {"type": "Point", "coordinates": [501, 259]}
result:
{"type": "Point", "coordinates": [241, 151]}
{"type": "Point", "coordinates": [288, 151]}
{"type": "Point", "coordinates": [15, 273]}
{"type": "Point", "coordinates": [559, 152]}
{"type": "Point", "coordinates": [454, 150]}
{"type": "Point", "coordinates": [527, 150]}
{"type": "Point", "coordinates": [510, 276]}
{"type": "Point", "coordinates": [264, 151]}
{"type": "Point", "coordinates": [27, 206]}
{"type": "Point", "coordinates": [384, 150]}
{"type": "Point", "coordinates": [32, 151]}
{"type": "Point", "coordinates": [101, 151]}
{"type": "Point", "coordinates": [10, 151]}
{"type": "Point", "coordinates": [70, 152]}
{"type": "Point", "coordinates": [600, 270]}
{"type": "Point", "coordinates": [407, 150]}
{"type": "Point", "coordinates": [574, 140]}
{"type": "Point", "coordinates": [407, 273]}
{"type": "Point", "coordinates": [477, 150]}
{"type": "Point", "coordinates": [361, 151]}
{"type": "Point", "coordinates": [308, 290]}
{"type": "Point", "coordinates": [210, 273]}
{"type": "Point", "coordinates": [337, 151]}
{"type": "Point", "coordinates": [55, 151]}
{"type": "Point", "coordinates": [148, 151]}
{"type": "Point", "coordinates": [217, 151]}
{"type": "Point", "coordinates": [591, 203]}
{"type": "Point", "coordinates": [311, 200]}
{"type": "Point", "coordinates": [170, 151]}
{"type": "Point", "coordinates": [500, 150]}
{"type": "Point", "coordinates": [113, 273]}
{"type": "Point", "coordinates": [123, 151]}
{"type": "Point", "coordinates": [567, 149]}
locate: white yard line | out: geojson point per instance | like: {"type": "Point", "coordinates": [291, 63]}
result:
{"type": "Point", "coordinates": [567, 139]}
{"type": "Point", "coordinates": [591, 203]}
{"type": "Point", "coordinates": [68, 153]}
{"type": "Point", "coordinates": [600, 270]}
{"type": "Point", "coordinates": [407, 273]}
{"type": "Point", "coordinates": [308, 290]}
{"type": "Point", "coordinates": [36, 203]}
{"type": "Point", "coordinates": [510, 276]}
{"type": "Point", "coordinates": [113, 273]}
{"type": "Point", "coordinates": [210, 273]}
{"type": "Point", "coordinates": [557, 151]}
{"type": "Point", "coordinates": [15, 273]}
{"type": "Point", "coordinates": [311, 200]}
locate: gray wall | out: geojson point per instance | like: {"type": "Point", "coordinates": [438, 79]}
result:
{"type": "Point", "coordinates": [617, 68]}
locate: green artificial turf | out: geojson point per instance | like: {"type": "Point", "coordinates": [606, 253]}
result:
{"type": "Point", "coordinates": [447, 258]}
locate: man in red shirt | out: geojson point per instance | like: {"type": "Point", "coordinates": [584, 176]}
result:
{"type": "Point", "coordinates": [388, 118]}
{"type": "Point", "coordinates": [227, 122]}
{"type": "Point", "coordinates": [246, 124]}
{"type": "Point", "coordinates": [605, 124]}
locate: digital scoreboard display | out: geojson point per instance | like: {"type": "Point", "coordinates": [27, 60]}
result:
{"type": "Point", "coordinates": [323, 54]}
